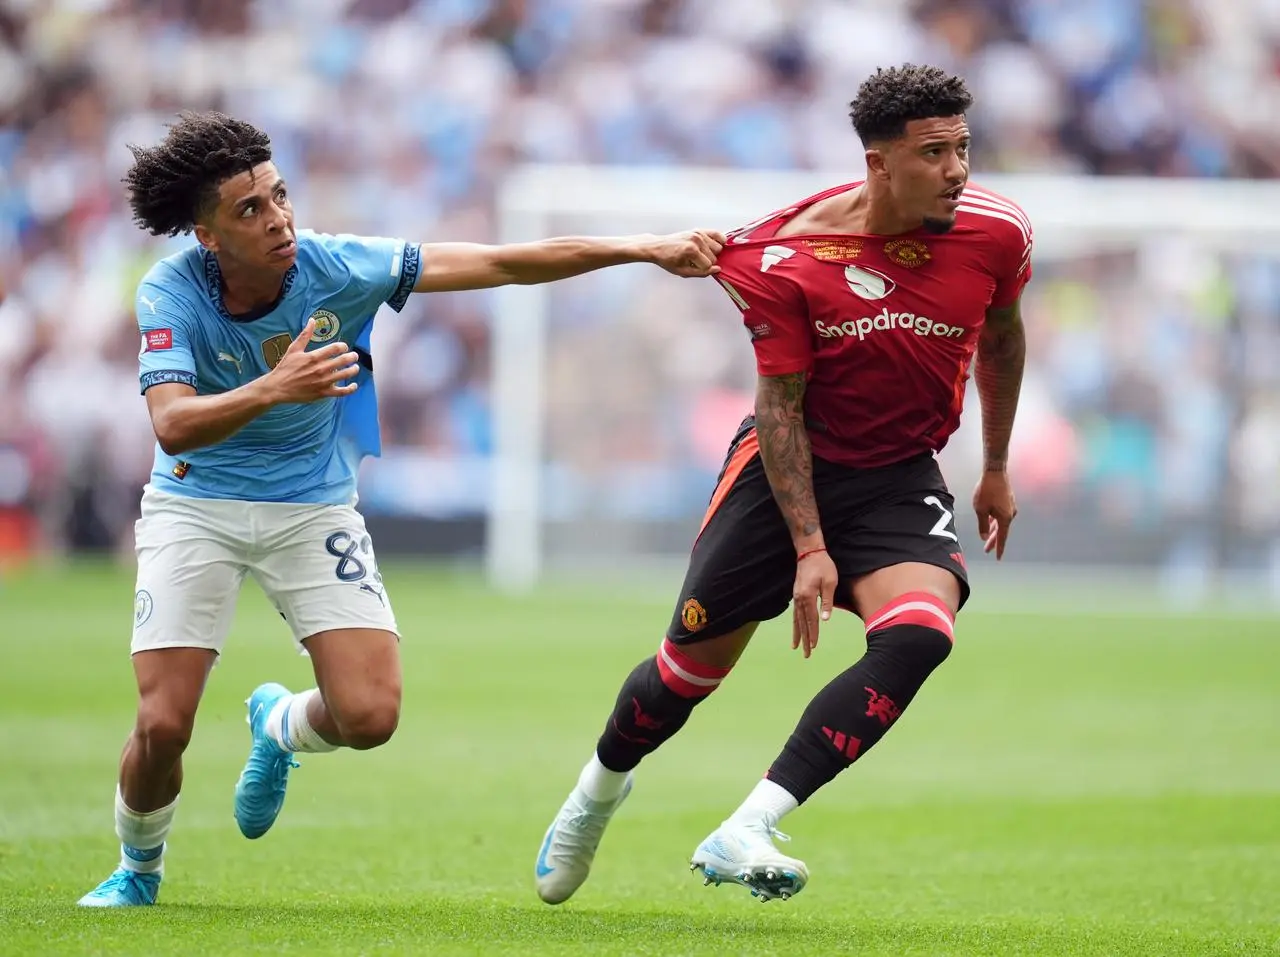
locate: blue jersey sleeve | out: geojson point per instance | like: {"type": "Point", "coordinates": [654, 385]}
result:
{"type": "Point", "coordinates": [166, 354]}
{"type": "Point", "coordinates": [386, 268]}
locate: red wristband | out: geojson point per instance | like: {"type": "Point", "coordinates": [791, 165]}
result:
{"type": "Point", "coordinates": [813, 551]}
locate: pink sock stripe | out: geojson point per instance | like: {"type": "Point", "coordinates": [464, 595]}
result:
{"type": "Point", "coordinates": [915, 608]}
{"type": "Point", "coordinates": [685, 663]}
{"type": "Point", "coordinates": [684, 676]}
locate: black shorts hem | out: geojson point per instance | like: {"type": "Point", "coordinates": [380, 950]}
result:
{"type": "Point", "coordinates": [743, 563]}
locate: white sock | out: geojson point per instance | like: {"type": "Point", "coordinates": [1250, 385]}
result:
{"type": "Point", "coordinates": [599, 783]}
{"type": "Point", "coordinates": [142, 836]}
{"type": "Point", "coordinates": [287, 725]}
{"type": "Point", "coordinates": [767, 800]}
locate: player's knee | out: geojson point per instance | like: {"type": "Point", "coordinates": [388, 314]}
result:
{"type": "Point", "coordinates": [694, 671]}
{"type": "Point", "coordinates": [918, 648]}
{"type": "Point", "coordinates": [372, 724]}
{"type": "Point", "coordinates": [163, 732]}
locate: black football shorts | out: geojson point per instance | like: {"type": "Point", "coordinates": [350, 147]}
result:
{"type": "Point", "coordinates": [743, 565]}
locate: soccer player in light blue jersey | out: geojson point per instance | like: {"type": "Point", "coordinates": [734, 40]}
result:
{"type": "Point", "coordinates": [256, 371]}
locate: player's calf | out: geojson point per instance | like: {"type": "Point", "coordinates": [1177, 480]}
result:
{"type": "Point", "coordinates": [358, 673]}
{"type": "Point", "coordinates": [160, 738]}
{"type": "Point", "coordinates": [906, 641]}
{"type": "Point", "coordinates": [654, 703]}
{"type": "Point", "coordinates": [170, 683]}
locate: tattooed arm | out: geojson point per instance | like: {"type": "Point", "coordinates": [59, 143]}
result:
{"type": "Point", "coordinates": [1002, 350]}
{"type": "Point", "coordinates": [788, 464]}
{"type": "Point", "coordinates": [788, 461]}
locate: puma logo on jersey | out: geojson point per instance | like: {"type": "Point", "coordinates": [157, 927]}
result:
{"type": "Point", "coordinates": [867, 283]}
{"type": "Point", "coordinates": [234, 360]}
{"type": "Point", "coordinates": [151, 303]}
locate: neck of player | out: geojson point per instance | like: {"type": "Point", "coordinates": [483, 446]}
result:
{"type": "Point", "coordinates": [245, 289]}
{"type": "Point", "coordinates": [871, 211]}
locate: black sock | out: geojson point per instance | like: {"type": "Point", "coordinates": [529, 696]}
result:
{"type": "Point", "coordinates": [654, 703]}
{"type": "Point", "coordinates": [857, 708]}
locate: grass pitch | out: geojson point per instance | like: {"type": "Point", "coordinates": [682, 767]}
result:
{"type": "Point", "coordinates": [1064, 785]}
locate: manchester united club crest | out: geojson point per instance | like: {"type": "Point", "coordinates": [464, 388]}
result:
{"type": "Point", "coordinates": [907, 252]}
{"type": "Point", "coordinates": [693, 615]}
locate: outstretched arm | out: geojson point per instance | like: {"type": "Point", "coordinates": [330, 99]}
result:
{"type": "Point", "coordinates": [449, 267]}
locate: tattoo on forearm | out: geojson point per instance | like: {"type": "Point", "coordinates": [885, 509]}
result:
{"type": "Point", "coordinates": [785, 451]}
{"type": "Point", "coordinates": [1002, 351]}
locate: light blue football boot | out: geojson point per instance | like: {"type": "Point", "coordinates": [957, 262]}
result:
{"type": "Point", "coordinates": [124, 888]}
{"type": "Point", "coordinates": [260, 790]}
{"type": "Point", "coordinates": [743, 852]}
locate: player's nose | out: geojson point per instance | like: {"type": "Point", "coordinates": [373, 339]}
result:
{"type": "Point", "coordinates": [277, 221]}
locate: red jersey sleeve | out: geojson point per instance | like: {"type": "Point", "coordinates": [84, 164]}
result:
{"type": "Point", "coordinates": [773, 309]}
{"type": "Point", "coordinates": [1014, 241]}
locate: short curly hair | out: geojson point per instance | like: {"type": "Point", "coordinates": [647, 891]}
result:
{"type": "Point", "coordinates": [891, 98]}
{"type": "Point", "coordinates": [174, 185]}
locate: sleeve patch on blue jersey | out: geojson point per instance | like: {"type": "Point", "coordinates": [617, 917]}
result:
{"type": "Point", "coordinates": [409, 270]}
{"type": "Point", "coordinates": [167, 375]}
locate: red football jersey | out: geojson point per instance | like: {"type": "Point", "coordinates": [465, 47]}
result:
{"type": "Point", "coordinates": [884, 326]}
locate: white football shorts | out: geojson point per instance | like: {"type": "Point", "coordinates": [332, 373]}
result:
{"type": "Point", "coordinates": [315, 563]}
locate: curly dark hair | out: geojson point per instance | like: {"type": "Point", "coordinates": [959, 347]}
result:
{"type": "Point", "coordinates": [173, 185]}
{"type": "Point", "coordinates": [891, 98]}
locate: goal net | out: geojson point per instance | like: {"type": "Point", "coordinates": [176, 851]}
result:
{"type": "Point", "coordinates": [1146, 437]}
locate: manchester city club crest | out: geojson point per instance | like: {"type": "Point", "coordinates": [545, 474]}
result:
{"type": "Point", "coordinates": [327, 325]}
{"type": "Point", "coordinates": [142, 606]}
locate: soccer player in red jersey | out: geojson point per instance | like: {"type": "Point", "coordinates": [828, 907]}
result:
{"type": "Point", "coordinates": [866, 304]}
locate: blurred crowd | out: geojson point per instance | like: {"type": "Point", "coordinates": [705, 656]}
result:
{"type": "Point", "coordinates": [400, 117]}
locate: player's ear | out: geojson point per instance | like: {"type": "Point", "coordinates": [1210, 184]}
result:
{"type": "Point", "coordinates": [877, 168]}
{"type": "Point", "coordinates": [206, 238]}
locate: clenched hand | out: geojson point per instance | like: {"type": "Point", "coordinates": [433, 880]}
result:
{"type": "Point", "coordinates": [691, 254]}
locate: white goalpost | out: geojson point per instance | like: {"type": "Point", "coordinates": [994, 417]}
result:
{"type": "Point", "coordinates": [1072, 216]}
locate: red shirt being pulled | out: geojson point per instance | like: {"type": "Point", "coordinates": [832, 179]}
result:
{"type": "Point", "coordinates": [884, 326]}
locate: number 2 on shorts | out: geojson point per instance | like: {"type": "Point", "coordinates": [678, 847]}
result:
{"type": "Point", "coordinates": [940, 529]}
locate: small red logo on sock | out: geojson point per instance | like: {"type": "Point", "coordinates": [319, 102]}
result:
{"type": "Point", "coordinates": [882, 707]}
{"type": "Point", "coordinates": [643, 720]}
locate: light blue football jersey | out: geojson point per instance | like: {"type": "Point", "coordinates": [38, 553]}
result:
{"type": "Point", "coordinates": [308, 452]}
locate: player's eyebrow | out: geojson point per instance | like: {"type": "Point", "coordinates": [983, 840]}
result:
{"type": "Point", "coordinates": [253, 198]}
{"type": "Point", "coordinates": [961, 139]}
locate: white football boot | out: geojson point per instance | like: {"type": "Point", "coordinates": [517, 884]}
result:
{"type": "Point", "coordinates": [743, 852]}
{"type": "Point", "coordinates": [570, 843]}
